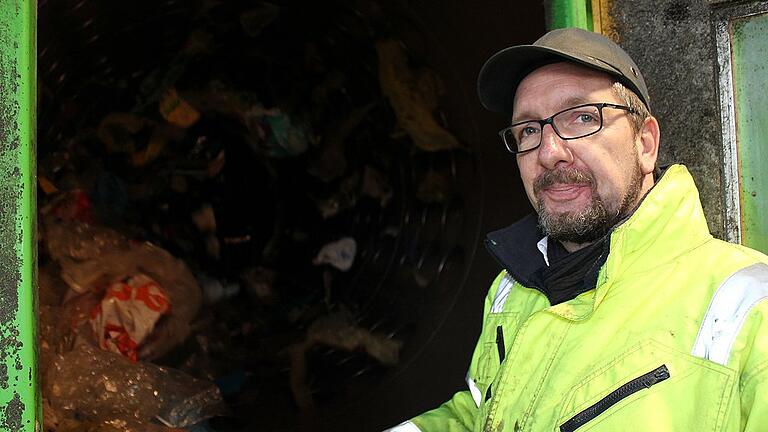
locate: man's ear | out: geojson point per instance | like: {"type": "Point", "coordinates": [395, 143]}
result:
{"type": "Point", "coordinates": [648, 139]}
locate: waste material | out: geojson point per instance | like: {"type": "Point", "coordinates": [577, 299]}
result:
{"type": "Point", "coordinates": [177, 111]}
{"type": "Point", "coordinates": [337, 331]}
{"type": "Point", "coordinates": [116, 131]}
{"type": "Point", "coordinates": [89, 384]}
{"type": "Point", "coordinates": [215, 290]}
{"type": "Point", "coordinates": [340, 254]}
{"type": "Point", "coordinates": [413, 95]}
{"type": "Point", "coordinates": [218, 210]}
{"type": "Point", "coordinates": [278, 135]}
{"type": "Point", "coordinates": [128, 313]}
{"type": "Point", "coordinates": [92, 258]}
{"type": "Point", "coordinates": [375, 186]}
{"type": "Point", "coordinates": [259, 282]}
{"type": "Point", "coordinates": [110, 197]}
{"type": "Point", "coordinates": [74, 205]}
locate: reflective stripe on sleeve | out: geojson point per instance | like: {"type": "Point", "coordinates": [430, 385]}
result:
{"type": "Point", "coordinates": [505, 286]}
{"type": "Point", "coordinates": [477, 396]}
{"type": "Point", "coordinates": [728, 310]}
{"type": "Point", "coordinates": [404, 427]}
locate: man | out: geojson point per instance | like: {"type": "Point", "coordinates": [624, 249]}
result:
{"type": "Point", "coordinates": [616, 309]}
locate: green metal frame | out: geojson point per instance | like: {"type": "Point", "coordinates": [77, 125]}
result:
{"type": "Point", "coordinates": [570, 13]}
{"type": "Point", "coordinates": [20, 408]}
{"type": "Point", "coordinates": [749, 53]}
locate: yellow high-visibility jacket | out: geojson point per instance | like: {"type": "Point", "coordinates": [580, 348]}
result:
{"type": "Point", "coordinates": [674, 337]}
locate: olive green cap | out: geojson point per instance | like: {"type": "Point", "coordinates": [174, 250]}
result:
{"type": "Point", "coordinates": [502, 73]}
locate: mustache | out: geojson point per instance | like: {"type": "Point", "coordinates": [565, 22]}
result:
{"type": "Point", "coordinates": [562, 175]}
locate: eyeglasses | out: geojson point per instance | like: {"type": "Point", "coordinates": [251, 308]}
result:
{"type": "Point", "coordinates": [572, 123]}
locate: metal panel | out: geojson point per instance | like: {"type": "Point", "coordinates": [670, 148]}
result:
{"type": "Point", "coordinates": [742, 47]}
{"type": "Point", "coordinates": [749, 49]}
{"type": "Point", "coordinates": [727, 118]}
{"type": "Point", "coordinates": [19, 394]}
{"type": "Point", "coordinates": [570, 13]}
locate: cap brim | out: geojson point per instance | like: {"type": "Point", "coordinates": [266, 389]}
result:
{"type": "Point", "coordinates": [502, 73]}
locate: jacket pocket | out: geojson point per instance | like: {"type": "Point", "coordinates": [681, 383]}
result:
{"type": "Point", "coordinates": [644, 381]}
{"type": "Point", "coordinates": [489, 350]}
{"type": "Point", "coordinates": [649, 387]}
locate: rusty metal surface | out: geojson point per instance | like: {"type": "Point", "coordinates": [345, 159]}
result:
{"type": "Point", "coordinates": [741, 123]}
{"type": "Point", "coordinates": [19, 397]}
{"type": "Point", "coordinates": [727, 116]}
{"type": "Point", "coordinates": [749, 52]}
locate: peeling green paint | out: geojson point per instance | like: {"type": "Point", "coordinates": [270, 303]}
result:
{"type": "Point", "coordinates": [750, 79]}
{"type": "Point", "coordinates": [570, 13]}
{"type": "Point", "coordinates": [19, 394]}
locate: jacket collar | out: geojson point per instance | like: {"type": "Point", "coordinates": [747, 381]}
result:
{"type": "Point", "coordinates": [668, 222]}
{"type": "Point", "coordinates": [516, 248]}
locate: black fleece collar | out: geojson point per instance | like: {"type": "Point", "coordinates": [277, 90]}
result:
{"type": "Point", "coordinates": [515, 248]}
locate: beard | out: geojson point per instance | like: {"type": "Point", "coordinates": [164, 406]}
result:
{"type": "Point", "coordinates": [597, 218]}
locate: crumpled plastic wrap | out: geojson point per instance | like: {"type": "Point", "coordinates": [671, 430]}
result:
{"type": "Point", "coordinates": [72, 242]}
{"type": "Point", "coordinates": [340, 254]}
{"type": "Point", "coordinates": [92, 257]}
{"type": "Point", "coordinates": [338, 331]}
{"type": "Point", "coordinates": [58, 318]}
{"type": "Point", "coordinates": [103, 388]}
{"type": "Point", "coordinates": [128, 313]}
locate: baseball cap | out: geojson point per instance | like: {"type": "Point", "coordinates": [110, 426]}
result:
{"type": "Point", "coordinates": [502, 73]}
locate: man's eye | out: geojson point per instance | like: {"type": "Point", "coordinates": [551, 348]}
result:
{"type": "Point", "coordinates": [586, 118]}
{"type": "Point", "coordinates": [528, 131]}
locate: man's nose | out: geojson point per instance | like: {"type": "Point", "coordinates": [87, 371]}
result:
{"type": "Point", "coordinates": [553, 151]}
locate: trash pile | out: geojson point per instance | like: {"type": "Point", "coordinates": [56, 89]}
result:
{"type": "Point", "coordinates": [200, 230]}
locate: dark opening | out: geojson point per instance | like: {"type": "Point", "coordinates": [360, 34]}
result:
{"type": "Point", "coordinates": [296, 124]}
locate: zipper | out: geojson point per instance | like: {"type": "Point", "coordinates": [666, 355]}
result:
{"type": "Point", "coordinates": [502, 353]}
{"type": "Point", "coordinates": [500, 343]}
{"type": "Point", "coordinates": [642, 382]}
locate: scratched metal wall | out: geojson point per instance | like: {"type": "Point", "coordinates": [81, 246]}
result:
{"type": "Point", "coordinates": [19, 399]}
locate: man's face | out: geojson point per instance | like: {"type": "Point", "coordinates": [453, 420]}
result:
{"type": "Point", "coordinates": [580, 188]}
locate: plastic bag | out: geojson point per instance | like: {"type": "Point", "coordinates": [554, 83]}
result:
{"type": "Point", "coordinates": [71, 242]}
{"type": "Point", "coordinates": [279, 135]}
{"type": "Point", "coordinates": [73, 205]}
{"type": "Point", "coordinates": [92, 258]}
{"type": "Point", "coordinates": [340, 254]}
{"type": "Point", "coordinates": [101, 387]}
{"type": "Point", "coordinates": [128, 314]}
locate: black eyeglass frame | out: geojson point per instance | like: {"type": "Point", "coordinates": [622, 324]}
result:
{"type": "Point", "coordinates": [550, 121]}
